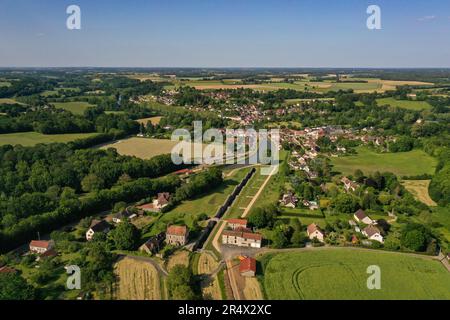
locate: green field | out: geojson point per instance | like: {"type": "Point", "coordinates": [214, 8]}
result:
{"type": "Point", "coordinates": [74, 107]}
{"type": "Point", "coordinates": [8, 101]}
{"type": "Point", "coordinates": [405, 104]}
{"type": "Point", "coordinates": [5, 84]}
{"type": "Point", "coordinates": [341, 274]}
{"type": "Point", "coordinates": [410, 163]}
{"type": "Point", "coordinates": [28, 139]}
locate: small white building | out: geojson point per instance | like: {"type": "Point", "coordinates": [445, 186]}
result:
{"type": "Point", "coordinates": [372, 233]}
{"type": "Point", "coordinates": [41, 246]}
{"type": "Point", "coordinates": [361, 216]}
{"type": "Point", "coordinates": [96, 227]}
{"type": "Point", "coordinates": [314, 231]}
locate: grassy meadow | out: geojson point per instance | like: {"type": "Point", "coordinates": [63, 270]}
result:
{"type": "Point", "coordinates": [28, 139]}
{"type": "Point", "coordinates": [405, 104]}
{"type": "Point", "coordinates": [144, 148]}
{"type": "Point", "coordinates": [341, 274]}
{"type": "Point", "coordinates": [410, 163]}
{"type": "Point", "coordinates": [75, 107]}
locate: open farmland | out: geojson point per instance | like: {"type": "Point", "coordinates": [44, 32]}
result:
{"type": "Point", "coordinates": [137, 280]}
{"type": "Point", "coordinates": [143, 148]}
{"type": "Point", "coordinates": [419, 189]}
{"type": "Point", "coordinates": [28, 139]}
{"type": "Point", "coordinates": [8, 101]}
{"type": "Point", "coordinates": [405, 104]}
{"type": "Point", "coordinates": [74, 107]}
{"type": "Point", "coordinates": [371, 85]}
{"type": "Point", "coordinates": [410, 163]}
{"type": "Point", "coordinates": [153, 120]}
{"type": "Point", "coordinates": [180, 257]}
{"type": "Point", "coordinates": [338, 273]}
{"type": "Point", "coordinates": [210, 285]}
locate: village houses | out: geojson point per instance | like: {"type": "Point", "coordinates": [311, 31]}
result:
{"type": "Point", "coordinates": [247, 267]}
{"type": "Point", "coordinates": [372, 233]}
{"type": "Point", "coordinates": [97, 227]}
{"type": "Point", "coordinates": [177, 235]}
{"type": "Point", "coordinates": [360, 216]}
{"type": "Point", "coordinates": [314, 232]}
{"type": "Point", "coordinates": [41, 246]}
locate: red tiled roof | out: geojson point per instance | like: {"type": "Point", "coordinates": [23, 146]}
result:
{"type": "Point", "coordinates": [40, 244]}
{"type": "Point", "coordinates": [238, 221]}
{"type": "Point", "coordinates": [313, 227]}
{"type": "Point", "coordinates": [360, 214]}
{"type": "Point", "coordinates": [248, 264]}
{"type": "Point", "coordinates": [182, 171]}
{"type": "Point", "coordinates": [254, 236]}
{"type": "Point", "coordinates": [146, 206]}
{"type": "Point", "coordinates": [232, 233]}
{"type": "Point", "coordinates": [245, 235]}
{"type": "Point", "coordinates": [371, 230]}
{"type": "Point", "coordinates": [6, 269]}
{"type": "Point", "coordinates": [177, 230]}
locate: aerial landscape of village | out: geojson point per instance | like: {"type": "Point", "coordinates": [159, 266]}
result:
{"type": "Point", "coordinates": [352, 202]}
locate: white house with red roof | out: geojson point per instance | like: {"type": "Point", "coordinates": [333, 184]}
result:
{"type": "Point", "coordinates": [314, 232]}
{"type": "Point", "coordinates": [177, 235]}
{"type": "Point", "coordinates": [373, 233]}
{"type": "Point", "coordinates": [235, 224]}
{"type": "Point", "coordinates": [41, 246]}
{"type": "Point", "coordinates": [361, 216]}
{"type": "Point", "coordinates": [247, 267]}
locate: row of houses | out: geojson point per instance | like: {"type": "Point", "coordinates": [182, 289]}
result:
{"type": "Point", "coordinates": [239, 235]}
{"type": "Point", "coordinates": [371, 231]}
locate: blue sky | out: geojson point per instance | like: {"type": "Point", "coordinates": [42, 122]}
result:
{"type": "Point", "coordinates": [225, 33]}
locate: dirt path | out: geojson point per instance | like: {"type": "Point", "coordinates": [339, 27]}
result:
{"type": "Point", "coordinates": [216, 239]}
{"type": "Point", "coordinates": [233, 281]}
{"type": "Point", "coordinates": [160, 269]}
{"type": "Point", "coordinates": [261, 189]}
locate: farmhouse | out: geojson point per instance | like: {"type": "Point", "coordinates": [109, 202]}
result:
{"type": "Point", "coordinates": [247, 267]}
{"type": "Point", "coordinates": [242, 238]}
{"type": "Point", "coordinates": [361, 216]}
{"type": "Point", "coordinates": [349, 185]}
{"type": "Point", "coordinates": [41, 246]}
{"type": "Point", "coordinates": [177, 235]}
{"type": "Point", "coordinates": [154, 244]}
{"type": "Point", "coordinates": [236, 224]}
{"type": "Point", "coordinates": [160, 202]}
{"type": "Point", "coordinates": [312, 205]}
{"type": "Point", "coordinates": [289, 200]}
{"type": "Point", "coordinates": [372, 233]}
{"type": "Point", "coordinates": [314, 232]}
{"type": "Point", "coordinates": [96, 227]}
{"type": "Point", "coordinates": [123, 215]}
